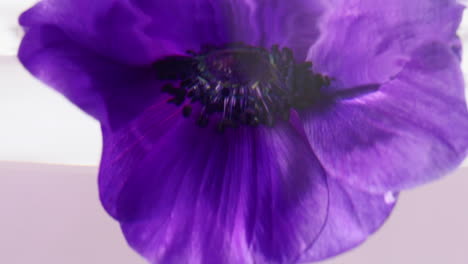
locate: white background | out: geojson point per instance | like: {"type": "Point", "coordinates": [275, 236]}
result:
{"type": "Point", "coordinates": [37, 123]}
{"type": "Point", "coordinates": [50, 214]}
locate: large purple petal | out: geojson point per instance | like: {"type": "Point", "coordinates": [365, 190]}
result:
{"type": "Point", "coordinates": [141, 31]}
{"type": "Point", "coordinates": [88, 50]}
{"type": "Point", "coordinates": [189, 24]}
{"type": "Point", "coordinates": [370, 41]}
{"type": "Point", "coordinates": [414, 129]}
{"type": "Point", "coordinates": [111, 92]}
{"type": "Point", "coordinates": [293, 24]}
{"type": "Point", "coordinates": [352, 217]}
{"type": "Point", "coordinates": [112, 28]}
{"type": "Point", "coordinates": [186, 194]}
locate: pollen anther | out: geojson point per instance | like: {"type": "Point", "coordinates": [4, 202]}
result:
{"type": "Point", "coordinates": [237, 84]}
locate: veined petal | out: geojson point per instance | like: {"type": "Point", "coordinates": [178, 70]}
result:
{"type": "Point", "coordinates": [293, 24]}
{"type": "Point", "coordinates": [353, 216]}
{"type": "Point", "coordinates": [99, 54]}
{"type": "Point", "coordinates": [185, 194]}
{"type": "Point", "coordinates": [370, 41]}
{"type": "Point", "coordinates": [111, 92]}
{"type": "Point", "coordinates": [193, 23]}
{"type": "Point", "coordinates": [414, 129]}
{"type": "Point", "coordinates": [139, 32]}
{"type": "Point", "coordinates": [111, 28]}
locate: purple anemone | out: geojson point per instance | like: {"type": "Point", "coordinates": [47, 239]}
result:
{"type": "Point", "coordinates": [257, 131]}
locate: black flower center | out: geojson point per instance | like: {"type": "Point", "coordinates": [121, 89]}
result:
{"type": "Point", "coordinates": [237, 84]}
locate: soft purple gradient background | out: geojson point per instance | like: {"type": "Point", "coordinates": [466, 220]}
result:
{"type": "Point", "coordinates": [51, 214]}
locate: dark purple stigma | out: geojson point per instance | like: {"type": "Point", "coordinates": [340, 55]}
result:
{"type": "Point", "coordinates": [237, 84]}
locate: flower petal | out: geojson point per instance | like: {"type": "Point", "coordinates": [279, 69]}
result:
{"type": "Point", "coordinates": [185, 194]}
{"type": "Point", "coordinates": [414, 129]}
{"type": "Point", "coordinates": [141, 31]}
{"type": "Point", "coordinates": [370, 41]}
{"type": "Point", "coordinates": [293, 24]}
{"type": "Point", "coordinates": [111, 92]}
{"type": "Point", "coordinates": [190, 23]}
{"type": "Point", "coordinates": [111, 28]}
{"type": "Point", "coordinates": [352, 217]}
{"type": "Point", "coordinates": [88, 51]}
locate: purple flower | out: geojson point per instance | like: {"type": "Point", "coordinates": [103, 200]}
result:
{"type": "Point", "coordinates": [224, 144]}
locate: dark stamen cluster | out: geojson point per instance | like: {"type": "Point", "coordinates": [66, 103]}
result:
{"type": "Point", "coordinates": [237, 84]}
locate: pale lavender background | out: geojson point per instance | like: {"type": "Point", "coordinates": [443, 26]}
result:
{"type": "Point", "coordinates": [50, 214]}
